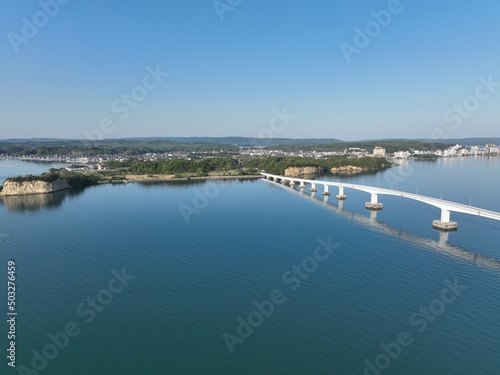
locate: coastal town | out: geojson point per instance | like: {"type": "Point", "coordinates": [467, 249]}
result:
{"type": "Point", "coordinates": [100, 162]}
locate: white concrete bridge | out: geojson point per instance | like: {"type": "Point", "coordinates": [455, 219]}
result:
{"type": "Point", "coordinates": [441, 245]}
{"type": "Point", "coordinates": [446, 206]}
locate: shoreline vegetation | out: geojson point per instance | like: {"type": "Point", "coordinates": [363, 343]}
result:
{"type": "Point", "coordinates": [214, 168]}
{"type": "Point", "coordinates": [222, 145]}
{"type": "Point", "coordinates": [141, 146]}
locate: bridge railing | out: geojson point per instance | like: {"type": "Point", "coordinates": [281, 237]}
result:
{"type": "Point", "coordinates": [446, 206]}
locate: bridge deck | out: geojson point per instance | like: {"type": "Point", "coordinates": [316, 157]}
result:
{"type": "Point", "coordinates": [442, 204]}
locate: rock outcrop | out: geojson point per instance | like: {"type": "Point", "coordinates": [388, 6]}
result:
{"type": "Point", "coordinates": [348, 169]}
{"type": "Point", "coordinates": [33, 187]}
{"type": "Point", "coordinates": [300, 171]}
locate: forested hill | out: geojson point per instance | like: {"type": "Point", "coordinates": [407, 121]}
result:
{"type": "Point", "coordinates": [140, 146]}
{"type": "Point", "coordinates": [107, 147]}
{"type": "Point", "coordinates": [389, 145]}
{"type": "Point", "coordinates": [228, 141]}
{"type": "Point", "coordinates": [245, 141]}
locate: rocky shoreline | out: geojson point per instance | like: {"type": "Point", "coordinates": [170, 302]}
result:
{"type": "Point", "coordinates": [33, 187]}
{"type": "Point", "coordinates": [11, 188]}
{"type": "Point", "coordinates": [301, 171]}
{"type": "Point", "coordinates": [351, 169]}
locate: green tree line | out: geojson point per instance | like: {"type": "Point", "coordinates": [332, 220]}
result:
{"type": "Point", "coordinates": [390, 146]}
{"type": "Point", "coordinates": [271, 164]}
{"type": "Point", "coordinates": [74, 179]}
{"type": "Point", "coordinates": [107, 147]}
{"type": "Point", "coordinates": [278, 164]}
{"type": "Point", "coordinates": [176, 166]}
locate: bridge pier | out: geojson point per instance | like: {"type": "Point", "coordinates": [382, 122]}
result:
{"type": "Point", "coordinates": [341, 195]}
{"type": "Point", "coordinates": [445, 224]}
{"type": "Point", "coordinates": [373, 204]}
{"type": "Point", "coordinates": [325, 190]}
{"type": "Point", "coordinates": [292, 183]}
{"type": "Point", "coordinates": [302, 185]}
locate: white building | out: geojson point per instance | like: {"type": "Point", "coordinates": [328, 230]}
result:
{"type": "Point", "coordinates": [379, 152]}
{"type": "Point", "coordinates": [401, 155]}
{"type": "Point", "coordinates": [474, 150]}
{"type": "Point", "coordinates": [77, 160]}
{"type": "Point", "coordinates": [492, 150]}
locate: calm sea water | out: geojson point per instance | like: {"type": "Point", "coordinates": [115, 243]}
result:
{"type": "Point", "coordinates": [200, 254]}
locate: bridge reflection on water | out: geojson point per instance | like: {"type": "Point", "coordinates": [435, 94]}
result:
{"type": "Point", "coordinates": [441, 246]}
{"type": "Point", "coordinates": [446, 207]}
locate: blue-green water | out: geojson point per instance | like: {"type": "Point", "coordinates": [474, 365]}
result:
{"type": "Point", "coordinates": [202, 253]}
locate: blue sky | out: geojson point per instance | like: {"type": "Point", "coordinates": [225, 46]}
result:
{"type": "Point", "coordinates": [227, 77]}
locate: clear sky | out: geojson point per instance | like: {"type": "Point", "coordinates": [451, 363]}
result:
{"type": "Point", "coordinates": [67, 70]}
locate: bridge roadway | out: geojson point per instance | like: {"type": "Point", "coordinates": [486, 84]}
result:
{"type": "Point", "coordinates": [442, 245]}
{"type": "Point", "coordinates": [445, 206]}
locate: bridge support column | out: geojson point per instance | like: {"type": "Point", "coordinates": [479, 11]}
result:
{"type": "Point", "coordinates": [283, 181]}
{"type": "Point", "coordinates": [313, 188]}
{"type": "Point", "coordinates": [302, 185]}
{"type": "Point", "coordinates": [292, 183]}
{"type": "Point", "coordinates": [325, 190]}
{"type": "Point", "coordinates": [445, 224]}
{"type": "Point", "coordinates": [373, 204]}
{"type": "Point", "coordinates": [341, 195]}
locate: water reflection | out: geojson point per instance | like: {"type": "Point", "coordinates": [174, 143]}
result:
{"type": "Point", "coordinates": [194, 181]}
{"type": "Point", "coordinates": [441, 245]}
{"type": "Point", "coordinates": [34, 202]}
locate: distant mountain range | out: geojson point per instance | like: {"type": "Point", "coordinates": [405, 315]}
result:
{"type": "Point", "coordinates": [252, 141]}
{"type": "Point", "coordinates": [239, 141]}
